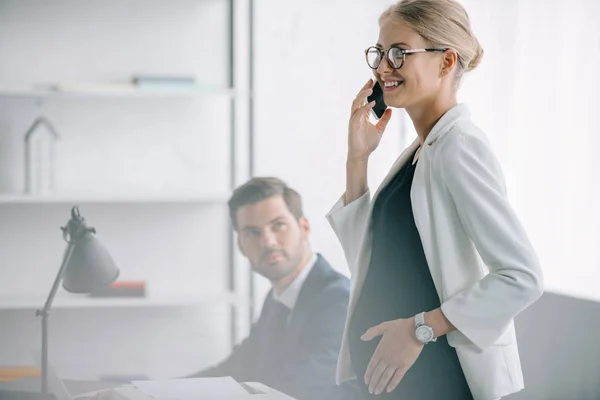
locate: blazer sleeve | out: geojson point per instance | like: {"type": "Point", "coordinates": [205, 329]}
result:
{"type": "Point", "coordinates": [348, 223]}
{"type": "Point", "coordinates": [485, 310]}
{"type": "Point", "coordinates": [240, 364]}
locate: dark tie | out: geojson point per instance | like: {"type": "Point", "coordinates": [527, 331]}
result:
{"type": "Point", "coordinates": [275, 333]}
{"type": "Point", "coordinates": [278, 322]}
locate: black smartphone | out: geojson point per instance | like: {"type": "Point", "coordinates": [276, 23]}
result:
{"type": "Point", "coordinates": [377, 95]}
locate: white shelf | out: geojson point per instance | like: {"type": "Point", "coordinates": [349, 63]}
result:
{"type": "Point", "coordinates": [84, 301]}
{"type": "Point", "coordinates": [117, 91]}
{"type": "Point", "coordinates": [125, 199]}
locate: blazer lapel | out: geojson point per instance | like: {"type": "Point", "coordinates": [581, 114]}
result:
{"type": "Point", "coordinates": [400, 161]}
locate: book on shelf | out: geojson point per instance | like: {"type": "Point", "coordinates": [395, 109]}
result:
{"type": "Point", "coordinates": [122, 289]}
{"type": "Point", "coordinates": [86, 87]}
{"type": "Point", "coordinates": [164, 82]}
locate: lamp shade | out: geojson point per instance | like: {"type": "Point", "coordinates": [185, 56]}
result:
{"type": "Point", "coordinates": [90, 266]}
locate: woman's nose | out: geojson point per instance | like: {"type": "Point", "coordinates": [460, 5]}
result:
{"type": "Point", "coordinates": [384, 66]}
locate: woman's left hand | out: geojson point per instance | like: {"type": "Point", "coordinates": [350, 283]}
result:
{"type": "Point", "coordinates": [397, 351]}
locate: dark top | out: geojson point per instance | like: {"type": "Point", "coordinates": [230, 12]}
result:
{"type": "Point", "coordinates": [298, 358]}
{"type": "Point", "coordinates": [399, 285]}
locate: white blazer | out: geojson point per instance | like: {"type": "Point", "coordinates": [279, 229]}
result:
{"type": "Point", "coordinates": [484, 268]}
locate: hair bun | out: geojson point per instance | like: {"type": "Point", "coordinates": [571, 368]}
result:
{"type": "Point", "coordinates": [476, 58]}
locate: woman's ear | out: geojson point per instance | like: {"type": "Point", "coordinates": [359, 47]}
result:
{"type": "Point", "coordinates": [449, 60]}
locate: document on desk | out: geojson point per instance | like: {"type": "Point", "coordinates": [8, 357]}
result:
{"type": "Point", "coordinates": [193, 389]}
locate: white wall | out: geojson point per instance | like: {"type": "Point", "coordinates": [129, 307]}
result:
{"type": "Point", "coordinates": [536, 94]}
{"type": "Point", "coordinates": [310, 65]}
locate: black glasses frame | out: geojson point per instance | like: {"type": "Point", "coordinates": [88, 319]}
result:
{"type": "Point", "coordinates": [404, 53]}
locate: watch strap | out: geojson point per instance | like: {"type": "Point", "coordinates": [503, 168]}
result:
{"type": "Point", "coordinates": [419, 319]}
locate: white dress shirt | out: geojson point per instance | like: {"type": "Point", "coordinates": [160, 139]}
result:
{"type": "Point", "coordinates": [290, 295]}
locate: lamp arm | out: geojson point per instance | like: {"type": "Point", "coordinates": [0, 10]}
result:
{"type": "Point", "coordinates": [45, 313]}
{"type": "Point", "coordinates": [59, 276]}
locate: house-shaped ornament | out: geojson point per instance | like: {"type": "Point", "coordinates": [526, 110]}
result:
{"type": "Point", "coordinates": [40, 150]}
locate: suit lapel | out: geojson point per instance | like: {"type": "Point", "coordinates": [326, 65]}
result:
{"type": "Point", "coordinates": [263, 329]}
{"type": "Point", "coordinates": [312, 285]}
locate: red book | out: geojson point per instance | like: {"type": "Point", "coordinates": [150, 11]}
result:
{"type": "Point", "coordinates": [122, 289]}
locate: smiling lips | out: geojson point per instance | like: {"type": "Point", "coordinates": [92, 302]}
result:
{"type": "Point", "coordinates": [390, 85]}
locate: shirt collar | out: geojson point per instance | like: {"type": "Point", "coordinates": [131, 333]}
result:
{"type": "Point", "coordinates": [290, 295]}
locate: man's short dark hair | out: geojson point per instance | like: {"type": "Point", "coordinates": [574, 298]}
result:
{"type": "Point", "coordinates": [262, 188]}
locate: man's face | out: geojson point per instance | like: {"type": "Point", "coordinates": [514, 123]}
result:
{"type": "Point", "coordinates": [272, 239]}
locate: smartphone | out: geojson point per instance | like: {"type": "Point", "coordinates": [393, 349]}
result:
{"type": "Point", "coordinates": [377, 95]}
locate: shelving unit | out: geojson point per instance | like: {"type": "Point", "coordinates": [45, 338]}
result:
{"type": "Point", "coordinates": [238, 93]}
{"type": "Point", "coordinates": [117, 91]}
{"type": "Point", "coordinates": [64, 301]}
{"type": "Point", "coordinates": [66, 199]}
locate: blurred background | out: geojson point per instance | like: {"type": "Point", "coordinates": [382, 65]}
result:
{"type": "Point", "coordinates": [146, 113]}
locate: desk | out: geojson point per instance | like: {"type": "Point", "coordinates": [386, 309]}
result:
{"type": "Point", "coordinates": [76, 387]}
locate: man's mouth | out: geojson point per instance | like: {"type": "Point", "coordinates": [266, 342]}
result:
{"type": "Point", "coordinates": [274, 257]}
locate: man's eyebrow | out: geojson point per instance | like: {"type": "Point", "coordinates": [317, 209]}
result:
{"type": "Point", "coordinates": [250, 227]}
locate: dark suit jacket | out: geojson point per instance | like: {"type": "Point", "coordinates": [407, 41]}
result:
{"type": "Point", "coordinates": [305, 369]}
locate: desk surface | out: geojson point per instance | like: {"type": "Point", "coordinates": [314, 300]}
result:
{"type": "Point", "coordinates": [75, 387]}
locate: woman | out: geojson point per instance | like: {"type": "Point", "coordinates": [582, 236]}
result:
{"type": "Point", "coordinates": [440, 263]}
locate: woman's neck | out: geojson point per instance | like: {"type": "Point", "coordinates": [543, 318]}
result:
{"type": "Point", "coordinates": [425, 116]}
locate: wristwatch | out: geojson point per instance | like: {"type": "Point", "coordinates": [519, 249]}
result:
{"type": "Point", "coordinates": [424, 333]}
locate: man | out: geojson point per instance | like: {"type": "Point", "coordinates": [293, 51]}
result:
{"type": "Point", "coordinates": [294, 345]}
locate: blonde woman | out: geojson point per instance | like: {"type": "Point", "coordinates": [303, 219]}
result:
{"type": "Point", "coordinates": [440, 263]}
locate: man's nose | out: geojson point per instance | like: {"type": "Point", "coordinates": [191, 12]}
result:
{"type": "Point", "coordinates": [268, 239]}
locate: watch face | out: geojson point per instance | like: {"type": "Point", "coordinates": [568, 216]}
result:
{"type": "Point", "coordinates": [424, 333]}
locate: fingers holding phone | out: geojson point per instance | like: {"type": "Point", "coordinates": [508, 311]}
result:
{"type": "Point", "coordinates": [377, 96]}
{"type": "Point", "coordinates": [363, 136]}
{"type": "Point", "coordinates": [359, 100]}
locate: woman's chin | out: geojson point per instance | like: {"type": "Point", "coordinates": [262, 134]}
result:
{"type": "Point", "coordinates": [396, 103]}
{"type": "Point", "coordinates": [395, 100]}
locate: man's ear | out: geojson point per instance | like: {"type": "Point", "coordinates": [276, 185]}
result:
{"type": "Point", "coordinates": [305, 227]}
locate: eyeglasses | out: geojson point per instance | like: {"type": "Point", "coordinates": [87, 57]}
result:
{"type": "Point", "coordinates": [395, 55]}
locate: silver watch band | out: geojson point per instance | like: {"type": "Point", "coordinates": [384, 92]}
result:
{"type": "Point", "coordinates": [419, 319]}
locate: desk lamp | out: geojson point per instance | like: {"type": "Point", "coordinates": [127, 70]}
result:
{"type": "Point", "coordinates": [86, 266]}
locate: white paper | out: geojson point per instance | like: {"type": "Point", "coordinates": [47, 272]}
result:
{"type": "Point", "coordinates": [131, 393]}
{"type": "Point", "coordinates": [192, 388]}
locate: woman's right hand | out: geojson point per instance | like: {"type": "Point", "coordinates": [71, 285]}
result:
{"type": "Point", "coordinates": [363, 136]}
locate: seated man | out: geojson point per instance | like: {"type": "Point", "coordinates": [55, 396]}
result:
{"type": "Point", "coordinates": [294, 345]}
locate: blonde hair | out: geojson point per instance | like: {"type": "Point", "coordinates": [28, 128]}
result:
{"type": "Point", "coordinates": [442, 23]}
